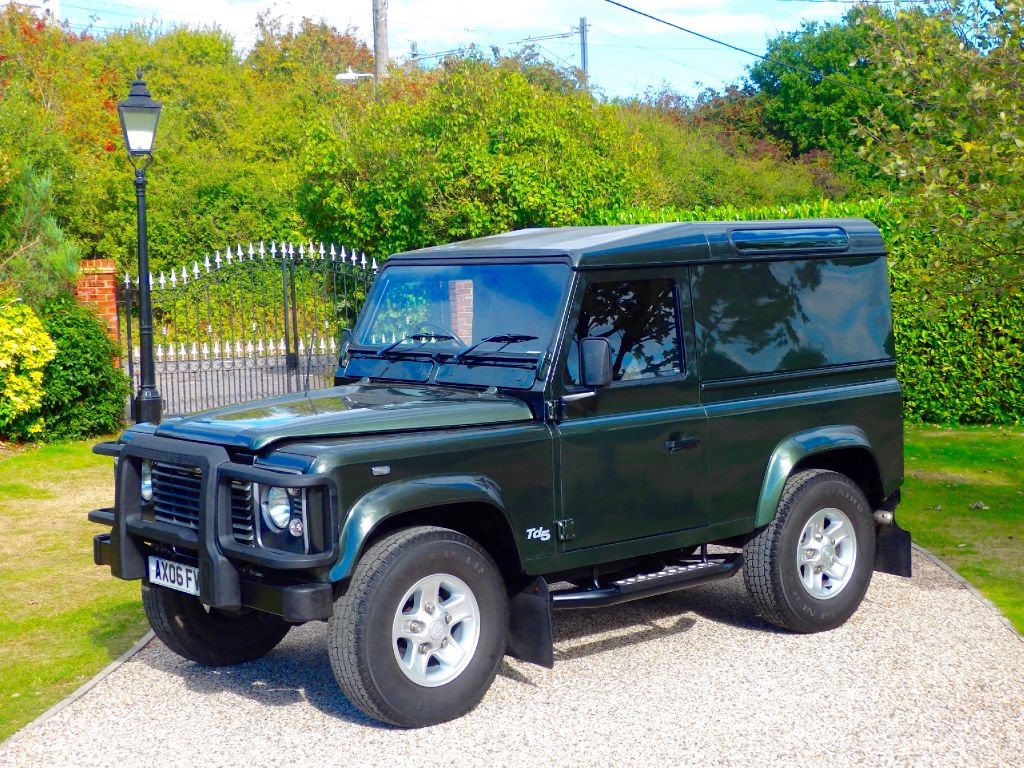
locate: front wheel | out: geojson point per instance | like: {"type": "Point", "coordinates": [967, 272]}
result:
{"type": "Point", "coordinates": [419, 634]}
{"type": "Point", "coordinates": [207, 635]}
{"type": "Point", "coordinates": [809, 569]}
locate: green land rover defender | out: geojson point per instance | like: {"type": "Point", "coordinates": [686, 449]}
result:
{"type": "Point", "coordinates": [545, 419]}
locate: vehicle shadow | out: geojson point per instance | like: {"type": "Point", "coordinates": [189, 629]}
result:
{"type": "Point", "coordinates": [639, 633]}
{"type": "Point", "coordinates": [124, 615]}
{"type": "Point", "coordinates": [296, 671]}
{"type": "Point", "coordinates": [721, 602]}
{"type": "Point", "coordinates": [299, 669]}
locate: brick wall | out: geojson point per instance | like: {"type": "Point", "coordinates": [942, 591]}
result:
{"type": "Point", "coordinates": [97, 285]}
{"type": "Point", "coordinates": [460, 294]}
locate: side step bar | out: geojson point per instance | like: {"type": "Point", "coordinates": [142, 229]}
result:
{"type": "Point", "coordinates": [672, 578]}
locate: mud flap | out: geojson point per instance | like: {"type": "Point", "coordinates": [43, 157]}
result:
{"type": "Point", "coordinates": [892, 550]}
{"type": "Point", "coordinates": [529, 625]}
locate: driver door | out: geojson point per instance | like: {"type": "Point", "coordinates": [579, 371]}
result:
{"type": "Point", "coordinates": [633, 457]}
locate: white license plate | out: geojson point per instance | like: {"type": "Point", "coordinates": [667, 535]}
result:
{"type": "Point", "coordinates": [183, 578]}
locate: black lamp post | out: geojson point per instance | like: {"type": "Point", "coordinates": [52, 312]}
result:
{"type": "Point", "coordinates": [139, 116]}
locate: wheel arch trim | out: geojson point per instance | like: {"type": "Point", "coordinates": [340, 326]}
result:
{"type": "Point", "coordinates": [794, 449]}
{"type": "Point", "coordinates": [387, 501]}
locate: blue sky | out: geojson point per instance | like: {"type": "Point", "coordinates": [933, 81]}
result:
{"type": "Point", "coordinates": [628, 54]}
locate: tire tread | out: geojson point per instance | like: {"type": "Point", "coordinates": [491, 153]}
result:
{"type": "Point", "coordinates": [175, 618]}
{"type": "Point", "coordinates": [761, 554]}
{"type": "Point", "coordinates": [353, 676]}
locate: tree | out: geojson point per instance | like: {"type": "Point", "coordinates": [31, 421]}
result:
{"type": "Point", "coordinates": [959, 66]}
{"type": "Point", "coordinates": [36, 258]}
{"type": "Point", "coordinates": [814, 83]}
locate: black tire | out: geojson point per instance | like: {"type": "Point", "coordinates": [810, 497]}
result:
{"type": "Point", "coordinates": [775, 579]}
{"type": "Point", "coordinates": [209, 636]}
{"type": "Point", "coordinates": [364, 654]}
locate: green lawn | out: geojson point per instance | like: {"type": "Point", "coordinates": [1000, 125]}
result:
{"type": "Point", "coordinates": [964, 500]}
{"type": "Point", "coordinates": [62, 619]}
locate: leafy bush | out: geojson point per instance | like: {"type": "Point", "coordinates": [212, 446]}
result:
{"type": "Point", "coordinates": [959, 357]}
{"type": "Point", "coordinates": [693, 168]}
{"type": "Point", "coordinates": [84, 392]}
{"type": "Point", "coordinates": [472, 150]}
{"type": "Point", "coordinates": [25, 349]}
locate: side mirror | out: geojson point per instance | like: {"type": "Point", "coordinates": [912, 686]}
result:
{"type": "Point", "coordinates": [596, 362]}
{"type": "Point", "coordinates": [345, 339]}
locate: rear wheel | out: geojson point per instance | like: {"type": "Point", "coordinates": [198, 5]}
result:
{"type": "Point", "coordinates": [809, 569]}
{"type": "Point", "coordinates": [419, 634]}
{"type": "Point", "coordinates": [208, 635]}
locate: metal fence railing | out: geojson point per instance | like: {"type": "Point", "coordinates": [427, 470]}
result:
{"type": "Point", "coordinates": [247, 322]}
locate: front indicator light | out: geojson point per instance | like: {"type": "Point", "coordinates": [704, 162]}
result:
{"type": "Point", "coordinates": [296, 528]}
{"type": "Point", "coordinates": [146, 481]}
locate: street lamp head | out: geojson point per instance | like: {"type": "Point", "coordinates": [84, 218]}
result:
{"type": "Point", "coordinates": [348, 76]}
{"type": "Point", "coordinates": [139, 116]}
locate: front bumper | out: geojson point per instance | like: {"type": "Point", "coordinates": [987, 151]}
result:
{"type": "Point", "coordinates": [297, 603]}
{"type": "Point", "coordinates": [231, 574]}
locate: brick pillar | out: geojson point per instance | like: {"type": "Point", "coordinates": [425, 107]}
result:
{"type": "Point", "coordinates": [97, 285]}
{"type": "Point", "coordinates": [460, 296]}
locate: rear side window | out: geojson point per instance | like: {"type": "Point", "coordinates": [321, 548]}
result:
{"type": "Point", "coordinates": [777, 316]}
{"type": "Point", "coordinates": [638, 318]}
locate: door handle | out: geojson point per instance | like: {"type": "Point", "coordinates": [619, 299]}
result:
{"type": "Point", "coordinates": [677, 444]}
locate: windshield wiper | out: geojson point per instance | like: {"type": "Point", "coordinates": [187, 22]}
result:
{"type": "Point", "coordinates": [423, 338]}
{"type": "Point", "coordinates": [502, 338]}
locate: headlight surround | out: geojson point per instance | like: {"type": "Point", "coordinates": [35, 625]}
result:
{"type": "Point", "coordinates": [146, 481]}
{"type": "Point", "coordinates": [282, 520]}
{"type": "Point", "coordinates": [276, 507]}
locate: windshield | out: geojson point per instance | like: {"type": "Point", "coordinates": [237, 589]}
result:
{"type": "Point", "coordinates": [461, 315]}
{"type": "Point", "coordinates": [451, 308]}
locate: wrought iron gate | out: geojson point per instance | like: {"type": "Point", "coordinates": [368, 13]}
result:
{"type": "Point", "coordinates": [247, 323]}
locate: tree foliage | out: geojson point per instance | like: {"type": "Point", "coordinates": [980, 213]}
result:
{"type": "Point", "coordinates": [241, 135]}
{"type": "Point", "coordinates": [959, 66]}
{"type": "Point", "coordinates": [35, 255]}
{"type": "Point", "coordinates": [814, 83]}
{"type": "Point", "coordinates": [226, 154]}
{"type": "Point", "coordinates": [472, 150]}
{"type": "Point", "coordinates": [700, 166]}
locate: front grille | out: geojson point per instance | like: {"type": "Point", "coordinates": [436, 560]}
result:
{"type": "Point", "coordinates": [176, 495]}
{"type": "Point", "coordinates": [176, 500]}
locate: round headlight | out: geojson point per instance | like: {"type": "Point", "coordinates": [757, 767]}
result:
{"type": "Point", "coordinates": [146, 481]}
{"type": "Point", "coordinates": [277, 508]}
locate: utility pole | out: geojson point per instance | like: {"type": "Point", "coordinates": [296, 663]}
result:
{"type": "Point", "coordinates": [583, 52]}
{"type": "Point", "coordinates": [380, 38]}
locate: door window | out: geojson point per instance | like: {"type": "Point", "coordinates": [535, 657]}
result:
{"type": "Point", "coordinates": [639, 319]}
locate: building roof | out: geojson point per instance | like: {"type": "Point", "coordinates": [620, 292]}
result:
{"type": "Point", "coordinates": [674, 242]}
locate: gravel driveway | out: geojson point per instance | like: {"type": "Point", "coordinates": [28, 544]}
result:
{"type": "Point", "coordinates": [926, 673]}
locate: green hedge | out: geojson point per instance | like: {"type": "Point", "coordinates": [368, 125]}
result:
{"type": "Point", "coordinates": [84, 393]}
{"type": "Point", "coordinates": [960, 358]}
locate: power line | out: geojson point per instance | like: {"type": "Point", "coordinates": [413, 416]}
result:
{"type": "Point", "coordinates": [139, 11]}
{"type": "Point", "coordinates": [567, 63]}
{"type": "Point", "coordinates": [452, 52]}
{"type": "Point", "coordinates": [104, 12]}
{"type": "Point", "coordinates": [650, 49]}
{"type": "Point", "coordinates": [817, 75]}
